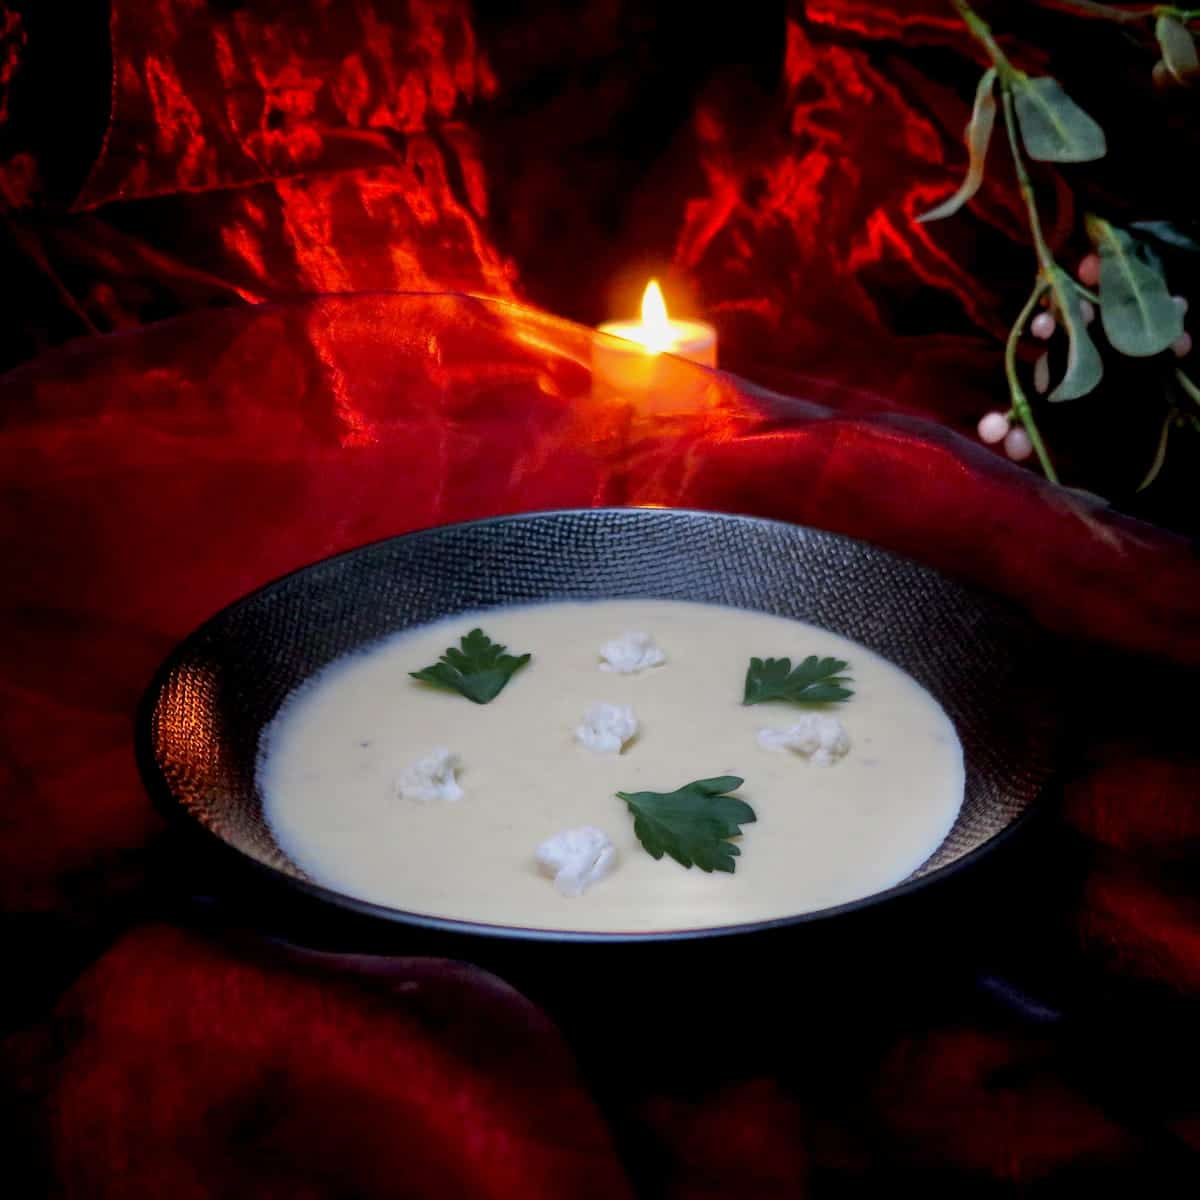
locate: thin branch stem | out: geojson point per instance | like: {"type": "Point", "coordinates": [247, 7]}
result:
{"type": "Point", "coordinates": [1189, 387]}
{"type": "Point", "coordinates": [1045, 258]}
{"type": "Point", "coordinates": [1160, 453]}
{"type": "Point", "coordinates": [1020, 403]}
{"type": "Point", "coordinates": [1122, 16]}
{"type": "Point", "coordinates": [1008, 76]}
{"type": "Point", "coordinates": [1105, 12]}
{"type": "Point", "coordinates": [981, 31]}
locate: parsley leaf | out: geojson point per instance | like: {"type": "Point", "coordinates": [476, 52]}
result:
{"type": "Point", "coordinates": [814, 681]}
{"type": "Point", "coordinates": [692, 823]}
{"type": "Point", "coordinates": [479, 670]}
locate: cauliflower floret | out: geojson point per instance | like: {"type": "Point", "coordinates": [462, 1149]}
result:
{"type": "Point", "coordinates": [606, 728]}
{"type": "Point", "coordinates": [631, 653]}
{"type": "Point", "coordinates": [820, 739]}
{"type": "Point", "coordinates": [577, 858]}
{"type": "Point", "coordinates": [432, 778]}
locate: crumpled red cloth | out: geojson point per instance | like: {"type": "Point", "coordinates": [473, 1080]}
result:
{"type": "Point", "coordinates": [150, 478]}
{"type": "Point", "coordinates": [770, 167]}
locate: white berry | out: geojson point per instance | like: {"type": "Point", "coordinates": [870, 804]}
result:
{"type": "Point", "coordinates": [1041, 375]}
{"type": "Point", "coordinates": [1088, 309]}
{"type": "Point", "coordinates": [1181, 303]}
{"type": "Point", "coordinates": [1043, 326]}
{"type": "Point", "coordinates": [993, 428]}
{"type": "Point", "coordinates": [1089, 270]}
{"type": "Point", "coordinates": [1017, 445]}
{"type": "Point", "coordinates": [1181, 347]}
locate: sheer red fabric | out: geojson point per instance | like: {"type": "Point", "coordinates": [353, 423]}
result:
{"type": "Point", "coordinates": [152, 477]}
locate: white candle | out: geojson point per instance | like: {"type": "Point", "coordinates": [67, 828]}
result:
{"type": "Point", "coordinates": [635, 362]}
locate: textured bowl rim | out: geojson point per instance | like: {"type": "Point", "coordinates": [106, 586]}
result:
{"type": "Point", "coordinates": [169, 804]}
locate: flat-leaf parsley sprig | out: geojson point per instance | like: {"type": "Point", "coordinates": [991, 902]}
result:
{"type": "Point", "coordinates": [693, 823]}
{"type": "Point", "coordinates": [814, 681]}
{"type": "Point", "coordinates": [478, 670]}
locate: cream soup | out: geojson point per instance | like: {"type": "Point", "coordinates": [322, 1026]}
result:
{"type": "Point", "coordinates": [824, 834]}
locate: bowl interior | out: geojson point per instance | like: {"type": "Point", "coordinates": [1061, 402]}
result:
{"type": "Point", "coordinates": [204, 714]}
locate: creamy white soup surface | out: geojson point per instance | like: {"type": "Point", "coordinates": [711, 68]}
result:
{"type": "Point", "coordinates": [824, 835]}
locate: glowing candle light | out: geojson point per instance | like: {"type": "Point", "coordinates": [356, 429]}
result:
{"type": "Point", "coordinates": [633, 363]}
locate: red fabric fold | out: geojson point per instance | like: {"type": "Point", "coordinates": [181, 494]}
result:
{"type": "Point", "coordinates": [303, 90]}
{"type": "Point", "coordinates": [180, 1067]}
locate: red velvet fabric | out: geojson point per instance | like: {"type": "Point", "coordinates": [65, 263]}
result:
{"type": "Point", "coordinates": [177, 1068]}
{"type": "Point", "coordinates": [257, 151]}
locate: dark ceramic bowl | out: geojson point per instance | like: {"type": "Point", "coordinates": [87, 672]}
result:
{"type": "Point", "coordinates": [199, 727]}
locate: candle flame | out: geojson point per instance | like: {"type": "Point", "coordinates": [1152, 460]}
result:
{"type": "Point", "coordinates": [656, 326]}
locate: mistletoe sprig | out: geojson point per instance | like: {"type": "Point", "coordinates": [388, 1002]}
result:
{"type": "Point", "coordinates": [1139, 316]}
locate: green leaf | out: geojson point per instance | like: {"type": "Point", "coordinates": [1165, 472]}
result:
{"type": "Point", "coordinates": [479, 670]}
{"type": "Point", "coordinates": [979, 134]}
{"type": "Point", "coordinates": [693, 823]}
{"type": "Point", "coordinates": [1139, 316]}
{"type": "Point", "coordinates": [1053, 127]}
{"type": "Point", "coordinates": [1085, 368]}
{"type": "Point", "coordinates": [814, 681]}
{"type": "Point", "coordinates": [1178, 47]}
{"type": "Point", "coordinates": [1166, 234]}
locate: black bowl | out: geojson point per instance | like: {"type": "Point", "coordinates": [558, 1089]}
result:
{"type": "Point", "coordinates": [200, 723]}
